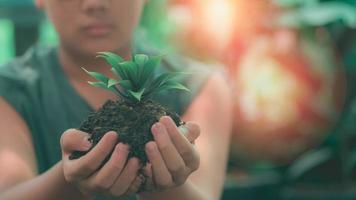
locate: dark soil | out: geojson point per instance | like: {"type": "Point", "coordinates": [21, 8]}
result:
{"type": "Point", "coordinates": [132, 122]}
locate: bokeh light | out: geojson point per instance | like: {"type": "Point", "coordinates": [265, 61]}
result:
{"type": "Point", "coordinates": [287, 96]}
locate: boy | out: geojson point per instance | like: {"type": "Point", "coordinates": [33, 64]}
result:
{"type": "Point", "coordinates": [44, 94]}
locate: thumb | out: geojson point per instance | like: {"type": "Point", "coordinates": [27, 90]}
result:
{"type": "Point", "coordinates": [190, 130]}
{"type": "Point", "coordinates": [74, 140]}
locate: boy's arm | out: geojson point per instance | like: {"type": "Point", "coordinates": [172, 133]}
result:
{"type": "Point", "coordinates": [18, 174]}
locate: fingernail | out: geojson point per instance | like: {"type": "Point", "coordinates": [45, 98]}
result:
{"type": "Point", "coordinates": [135, 161]}
{"type": "Point", "coordinates": [112, 135]}
{"type": "Point", "coordinates": [151, 147]}
{"type": "Point", "coordinates": [122, 147]}
{"type": "Point", "coordinates": [164, 118]}
{"type": "Point", "coordinates": [158, 126]}
{"type": "Point", "coordinates": [86, 143]}
{"type": "Point", "coordinates": [155, 128]}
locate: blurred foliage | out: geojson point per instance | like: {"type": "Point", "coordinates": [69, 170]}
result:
{"type": "Point", "coordinates": [155, 27]}
{"type": "Point", "coordinates": [312, 13]}
{"type": "Point", "coordinates": [334, 161]}
{"type": "Point", "coordinates": [7, 50]}
{"type": "Point", "coordinates": [47, 34]}
{"type": "Point", "coordinates": [308, 162]}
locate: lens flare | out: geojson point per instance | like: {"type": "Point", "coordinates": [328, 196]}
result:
{"type": "Point", "coordinates": [217, 19]}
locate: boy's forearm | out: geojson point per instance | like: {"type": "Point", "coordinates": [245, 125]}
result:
{"type": "Point", "coordinates": [187, 191]}
{"type": "Point", "coordinates": [50, 185]}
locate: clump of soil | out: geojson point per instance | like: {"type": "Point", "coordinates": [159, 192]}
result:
{"type": "Point", "coordinates": [132, 121]}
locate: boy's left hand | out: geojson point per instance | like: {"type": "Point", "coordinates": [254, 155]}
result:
{"type": "Point", "coordinates": [172, 155]}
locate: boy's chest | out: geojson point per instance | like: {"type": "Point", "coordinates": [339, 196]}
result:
{"type": "Point", "coordinates": [94, 96]}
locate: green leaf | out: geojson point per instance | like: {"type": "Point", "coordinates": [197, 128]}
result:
{"type": "Point", "coordinates": [136, 77]}
{"type": "Point", "coordinates": [165, 81]}
{"type": "Point", "coordinates": [149, 68]}
{"type": "Point", "coordinates": [114, 61]}
{"type": "Point", "coordinates": [163, 78]}
{"type": "Point", "coordinates": [111, 89]}
{"type": "Point", "coordinates": [119, 72]}
{"type": "Point", "coordinates": [111, 58]}
{"type": "Point", "coordinates": [126, 84]}
{"type": "Point", "coordinates": [157, 82]}
{"type": "Point", "coordinates": [112, 82]}
{"type": "Point", "coordinates": [98, 84]}
{"type": "Point", "coordinates": [137, 95]}
{"type": "Point", "coordinates": [97, 76]}
{"type": "Point", "coordinates": [104, 86]}
{"type": "Point", "coordinates": [131, 70]}
{"type": "Point", "coordinates": [141, 59]}
{"type": "Point", "coordinates": [169, 85]}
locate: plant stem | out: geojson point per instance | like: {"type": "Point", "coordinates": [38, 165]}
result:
{"type": "Point", "coordinates": [119, 93]}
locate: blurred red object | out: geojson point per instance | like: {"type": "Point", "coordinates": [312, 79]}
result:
{"type": "Point", "coordinates": [289, 92]}
{"type": "Point", "coordinates": [288, 89]}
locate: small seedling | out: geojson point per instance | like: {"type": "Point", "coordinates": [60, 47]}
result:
{"type": "Point", "coordinates": [134, 113]}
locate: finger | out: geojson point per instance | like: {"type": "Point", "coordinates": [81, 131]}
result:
{"type": "Point", "coordinates": [190, 130]}
{"type": "Point", "coordinates": [125, 179]}
{"type": "Point", "coordinates": [170, 155]}
{"type": "Point", "coordinates": [74, 140]}
{"type": "Point", "coordinates": [161, 176]}
{"type": "Point", "coordinates": [147, 169]}
{"type": "Point", "coordinates": [135, 185]}
{"type": "Point", "coordinates": [107, 175]}
{"type": "Point", "coordinates": [89, 163]}
{"type": "Point", "coordinates": [149, 184]}
{"type": "Point", "coordinates": [184, 147]}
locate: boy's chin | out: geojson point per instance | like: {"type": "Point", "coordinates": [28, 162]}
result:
{"type": "Point", "coordinates": [99, 47]}
{"type": "Point", "coordinates": [92, 50]}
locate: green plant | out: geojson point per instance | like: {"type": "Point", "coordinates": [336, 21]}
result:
{"type": "Point", "coordinates": [135, 77]}
{"type": "Point", "coordinates": [133, 113]}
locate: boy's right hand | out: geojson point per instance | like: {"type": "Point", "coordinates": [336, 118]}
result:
{"type": "Point", "coordinates": [115, 178]}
